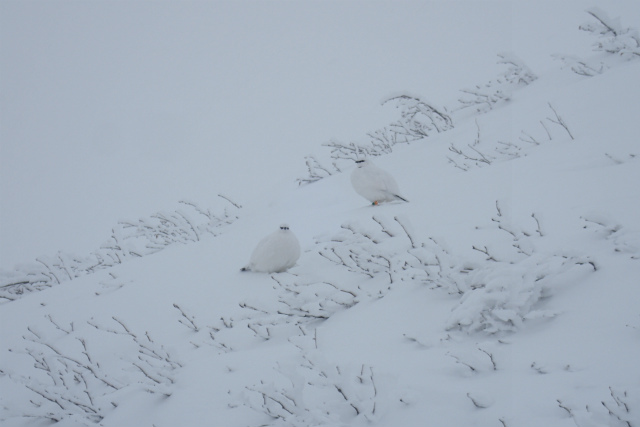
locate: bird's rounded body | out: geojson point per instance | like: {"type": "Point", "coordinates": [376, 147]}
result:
{"type": "Point", "coordinates": [374, 184]}
{"type": "Point", "coordinates": [275, 253]}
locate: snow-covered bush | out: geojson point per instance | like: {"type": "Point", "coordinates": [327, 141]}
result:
{"type": "Point", "coordinates": [503, 292]}
{"type": "Point", "coordinates": [624, 241]}
{"type": "Point", "coordinates": [497, 294]}
{"type": "Point", "coordinates": [313, 391]}
{"type": "Point", "coordinates": [75, 375]}
{"type": "Point", "coordinates": [501, 297]}
{"type": "Point", "coordinates": [482, 152]}
{"type": "Point", "coordinates": [612, 38]}
{"type": "Point", "coordinates": [484, 97]}
{"type": "Point", "coordinates": [617, 408]}
{"type": "Point", "coordinates": [316, 171]}
{"type": "Point", "coordinates": [129, 239]}
{"type": "Point", "coordinates": [418, 119]}
{"type": "Point", "coordinates": [383, 250]}
{"type": "Point", "coordinates": [583, 67]}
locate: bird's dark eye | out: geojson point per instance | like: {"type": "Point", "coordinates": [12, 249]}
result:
{"type": "Point", "coordinates": [359, 161]}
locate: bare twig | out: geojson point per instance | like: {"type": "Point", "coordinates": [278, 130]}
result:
{"type": "Point", "coordinates": [190, 319]}
{"type": "Point", "coordinates": [558, 120]}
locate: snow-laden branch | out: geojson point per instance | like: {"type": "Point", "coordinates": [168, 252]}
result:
{"type": "Point", "coordinates": [483, 152]}
{"type": "Point", "coordinates": [418, 120]}
{"type": "Point", "coordinates": [129, 239]}
{"type": "Point", "coordinates": [76, 376]}
{"type": "Point", "coordinates": [314, 391]}
{"type": "Point", "coordinates": [503, 293]}
{"type": "Point", "coordinates": [483, 97]}
{"type": "Point", "coordinates": [612, 38]}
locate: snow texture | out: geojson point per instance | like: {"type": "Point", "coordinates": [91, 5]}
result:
{"type": "Point", "coordinates": [505, 293]}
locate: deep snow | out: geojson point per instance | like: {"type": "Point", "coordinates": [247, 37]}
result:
{"type": "Point", "coordinates": [506, 294]}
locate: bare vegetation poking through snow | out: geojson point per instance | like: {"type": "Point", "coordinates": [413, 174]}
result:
{"type": "Point", "coordinates": [401, 314]}
{"type": "Point", "coordinates": [612, 38]}
{"type": "Point", "coordinates": [617, 408]}
{"type": "Point", "coordinates": [420, 119]}
{"type": "Point", "coordinates": [482, 152]}
{"type": "Point", "coordinates": [129, 239]}
{"type": "Point", "coordinates": [484, 97]}
{"type": "Point", "coordinates": [77, 378]}
{"type": "Point", "coordinates": [502, 294]}
{"type": "Point", "coordinates": [314, 391]}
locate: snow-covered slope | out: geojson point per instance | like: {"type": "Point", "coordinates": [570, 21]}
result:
{"type": "Point", "coordinates": [505, 293]}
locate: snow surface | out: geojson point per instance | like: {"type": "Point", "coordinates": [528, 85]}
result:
{"type": "Point", "coordinates": [505, 293]}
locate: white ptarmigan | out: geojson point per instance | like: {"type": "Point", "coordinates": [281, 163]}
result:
{"type": "Point", "coordinates": [276, 253]}
{"type": "Point", "coordinates": [374, 184]}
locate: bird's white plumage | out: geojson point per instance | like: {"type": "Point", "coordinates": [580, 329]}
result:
{"type": "Point", "coordinates": [275, 253]}
{"type": "Point", "coordinates": [374, 184]}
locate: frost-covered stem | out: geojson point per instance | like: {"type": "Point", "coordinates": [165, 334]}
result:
{"type": "Point", "coordinates": [341, 290]}
{"type": "Point", "coordinates": [558, 120]}
{"type": "Point", "coordinates": [188, 221]}
{"type": "Point", "coordinates": [539, 229]}
{"type": "Point", "coordinates": [603, 20]}
{"type": "Point", "coordinates": [49, 269]}
{"type": "Point", "coordinates": [618, 400]}
{"type": "Point", "coordinates": [382, 227]}
{"type": "Point", "coordinates": [347, 399]}
{"type": "Point", "coordinates": [45, 395]}
{"type": "Point", "coordinates": [266, 397]}
{"type": "Point", "coordinates": [413, 244]}
{"type": "Point", "coordinates": [88, 367]}
{"type": "Point", "coordinates": [461, 362]}
{"type": "Point", "coordinates": [190, 319]}
{"type": "Point", "coordinates": [63, 267]}
{"type": "Point", "coordinates": [531, 139]}
{"type": "Point", "coordinates": [493, 362]}
{"type": "Point", "coordinates": [57, 326]}
{"type": "Point", "coordinates": [621, 404]}
{"type": "Point", "coordinates": [520, 250]}
{"type": "Point", "coordinates": [484, 158]}
{"type": "Point", "coordinates": [85, 351]}
{"type": "Point", "coordinates": [455, 164]}
{"type": "Point", "coordinates": [222, 196]}
{"type": "Point", "coordinates": [477, 141]}
{"type": "Point", "coordinates": [386, 265]}
{"type": "Point", "coordinates": [363, 234]}
{"type": "Point", "coordinates": [146, 374]}
{"type": "Point", "coordinates": [546, 130]}
{"type": "Point", "coordinates": [475, 402]}
{"type": "Point", "coordinates": [591, 263]}
{"type": "Point", "coordinates": [486, 252]}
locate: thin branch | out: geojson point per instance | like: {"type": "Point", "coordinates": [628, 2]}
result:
{"type": "Point", "coordinates": [558, 120]}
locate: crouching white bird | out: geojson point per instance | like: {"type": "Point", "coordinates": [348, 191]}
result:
{"type": "Point", "coordinates": [275, 253]}
{"type": "Point", "coordinates": [374, 184]}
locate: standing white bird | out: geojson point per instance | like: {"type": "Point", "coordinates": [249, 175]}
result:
{"type": "Point", "coordinates": [374, 184]}
{"type": "Point", "coordinates": [275, 253]}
